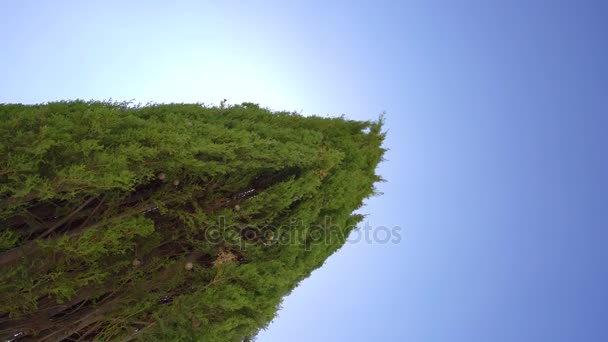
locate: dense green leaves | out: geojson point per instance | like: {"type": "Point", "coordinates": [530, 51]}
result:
{"type": "Point", "coordinates": [169, 222]}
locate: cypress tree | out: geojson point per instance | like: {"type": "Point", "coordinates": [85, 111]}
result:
{"type": "Point", "coordinates": [169, 222]}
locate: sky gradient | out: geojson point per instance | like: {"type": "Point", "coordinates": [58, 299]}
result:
{"type": "Point", "coordinates": [497, 113]}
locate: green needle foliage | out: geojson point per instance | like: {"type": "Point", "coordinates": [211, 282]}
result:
{"type": "Point", "coordinates": [169, 222]}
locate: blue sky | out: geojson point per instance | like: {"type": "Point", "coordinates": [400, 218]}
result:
{"type": "Point", "coordinates": [497, 114]}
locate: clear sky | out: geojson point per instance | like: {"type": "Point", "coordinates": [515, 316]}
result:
{"type": "Point", "coordinates": [497, 113]}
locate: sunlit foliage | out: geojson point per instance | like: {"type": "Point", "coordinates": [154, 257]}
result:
{"type": "Point", "coordinates": [176, 222]}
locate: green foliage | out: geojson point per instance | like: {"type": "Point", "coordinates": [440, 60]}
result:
{"type": "Point", "coordinates": [170, 222]}
{"type": "Point", "coordinates": [96, 243]}
{"type": "Point", "coordinates": [8, 239]}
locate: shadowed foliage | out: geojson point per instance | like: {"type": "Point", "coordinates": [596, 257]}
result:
{"type": "Point", "coordinates": [170, 222]}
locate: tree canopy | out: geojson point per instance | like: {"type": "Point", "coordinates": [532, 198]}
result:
{"type": "Point", "coordinates": [170, 222]}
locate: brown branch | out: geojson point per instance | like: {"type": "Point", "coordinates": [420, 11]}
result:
{"type": "Point", "coordinates": [27, 248]}
{"type": "Point", "coordinates": [92, 213]}
{"type": "Point", "coordinates": [67, 218]}
{"type": "Point", "coordinates": [133, 335]}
